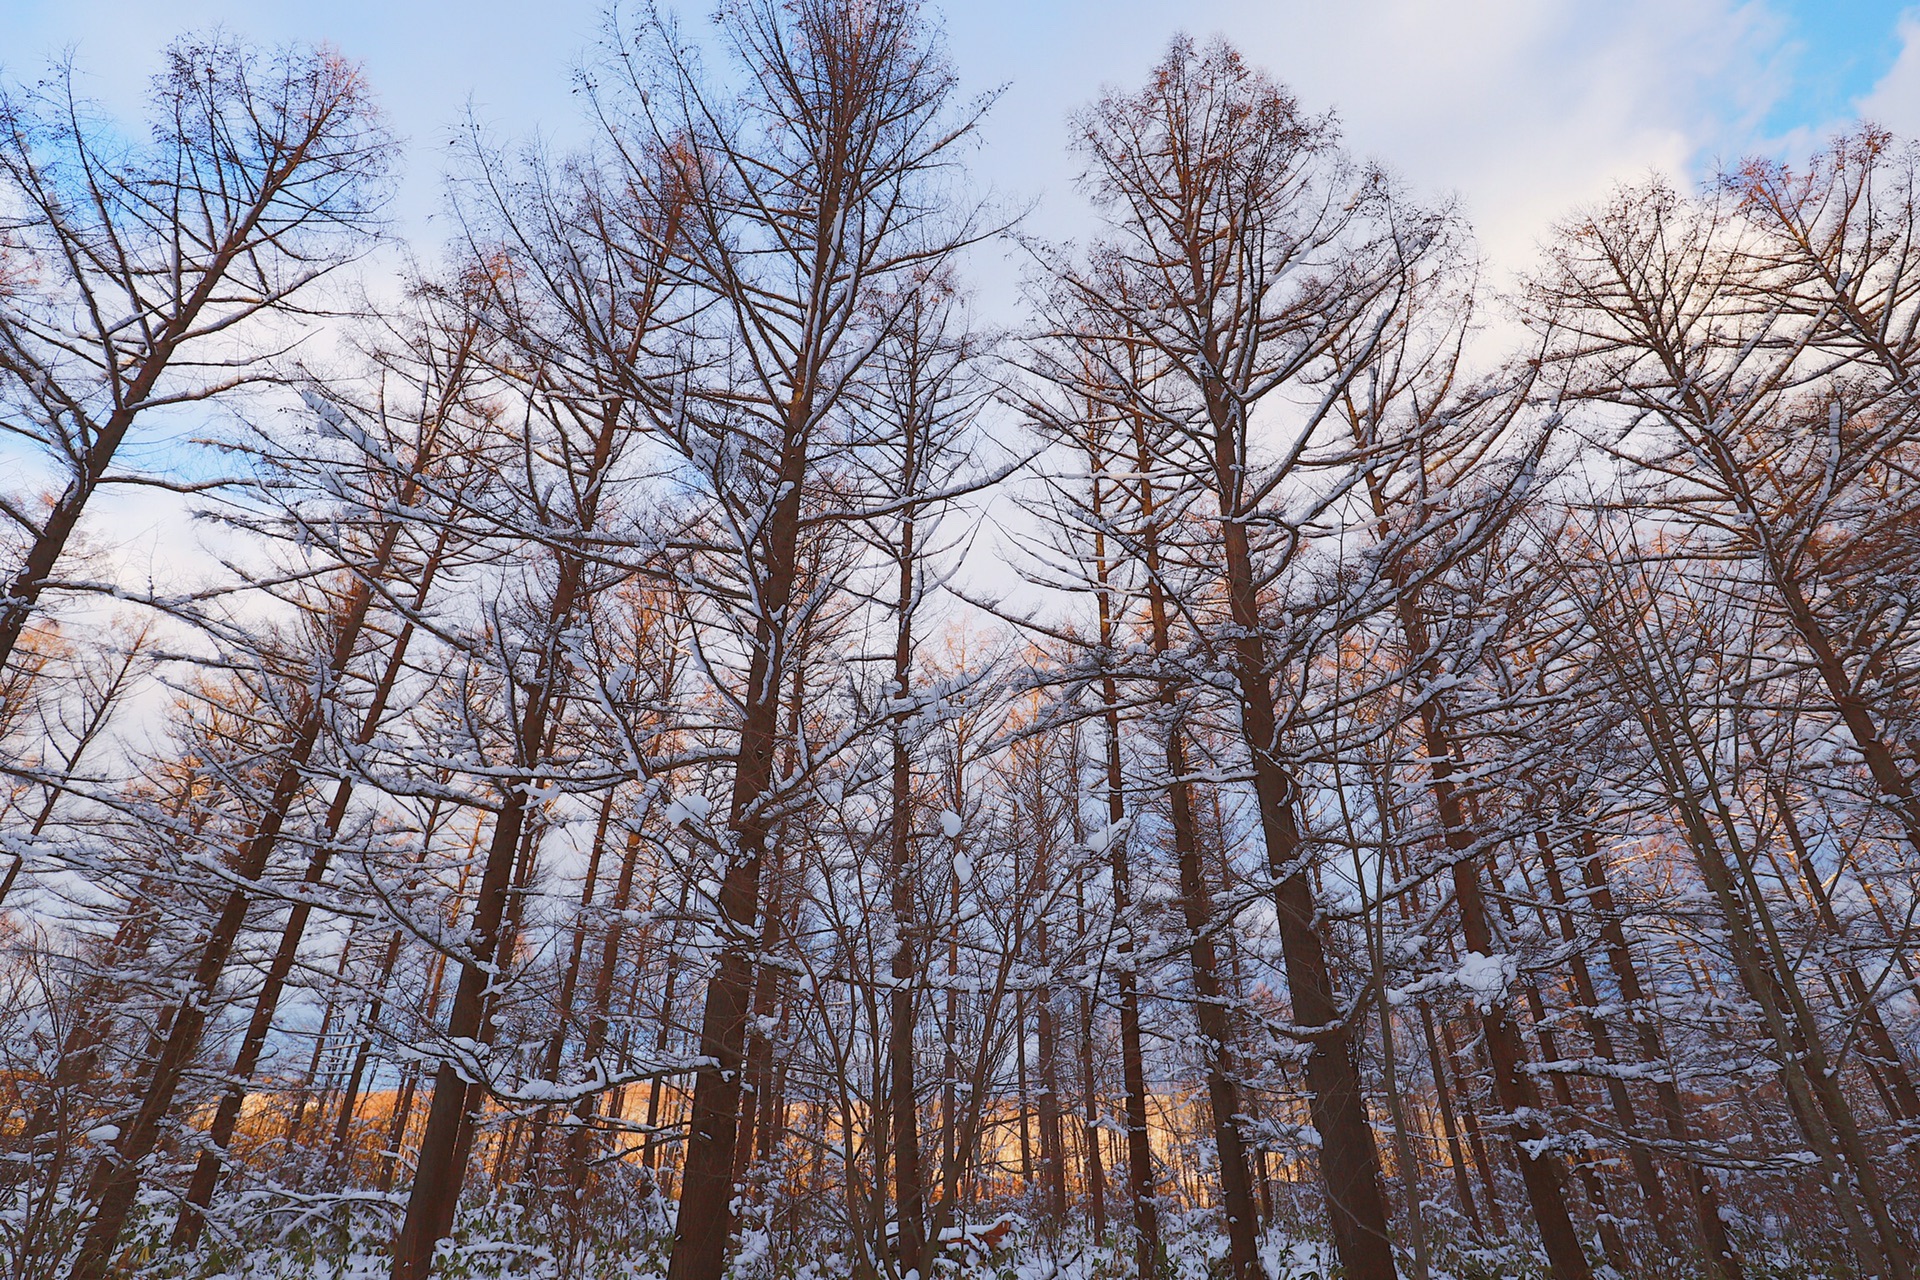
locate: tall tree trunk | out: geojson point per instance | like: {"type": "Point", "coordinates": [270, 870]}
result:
{"type": "Point", "coordinates": [1905, 1102]}
{"type": "Point", "coordinates": [397, 1122]}
{"type": "Point", "coordinates": [599, 1016]}
{"type": "Point", "coordinates": [1095, 1172]}
{"type": "Point", "coordinates": [950, 1057]}
{"type": "Point", "coordinates": [1349, 1160]}
{"type": "Point", "coordinates": [1811, 1088]}
{"type": "Point", "coordinates": [1539, 1171]}
{"type": "Point", "coordinates": [116, 1182]}
{"type": "Point", "coordinates": [1449, 1124]}
{"type": "Point", "coordinates": [707, 1191]}
{"type": "Point", "coordinates": [1375, 907]}
{"type": "Point", "coordinates": [1053, 1169]}
{"type": "Point", "coordinates": [1624, 1112]}
{"type": "Point", "coordinates": [1022, 1097]}
{"type": "Point", "coordinates": [569, 982]}
{"type": "Point", "coordinates": [1457, 1076]}
{"type": "Point", "coordinates": [440, 1172]}
{"type": "Point", "coordinates": [343, 1127]}
{"type": "Point", "coordinates": [663, 1033]}
{"type": "Point", "coordinates": [1211, 1011]}
{"type": "Point", "coordinates": [759, 1057]}
{"type": "Point", "coordinates": [1133, 1072]}
{"type": "Point", "coordinates": [1402, 1141]}
{"type": "Point", "coordinates": [909, 1181]}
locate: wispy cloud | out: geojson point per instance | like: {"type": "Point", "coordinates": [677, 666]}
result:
{"type": "Point", "coordinates": [1895, 101]}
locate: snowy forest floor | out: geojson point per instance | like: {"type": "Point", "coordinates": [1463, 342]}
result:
{"type": "Point", "coordinates": [347, 1238]}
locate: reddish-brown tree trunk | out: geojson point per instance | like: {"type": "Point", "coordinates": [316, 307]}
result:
{"type": "Point", "coordinates": [705, 1221]}
{"type": "Point", "coordinates": [1196, 899]}
{"type": "Point", "coordinates": [599, 1017]}
{"type": "Point", "coordinates": [1457, 1074]}
{"type": "Point", "coordinates": [1620, 1100]}
{"type": "Point", "coordinates": [1133, 1072]}
{"type": "Point", "coordinates": [1812, 1090]}
{"type": "Point", "coordinates": [1094, 1163]}
{"type": "Point", "coordinates": [1905, 1102]}
{"type": "Point", "coordinates": [1539, 1172]}
{"type": "Point", "coordinates": [397, 1128]}
{"type": "Point", "coordinates": [759, 1059]}
{"type": "Point", "coordinates": [206, 1173]}
{"type": "Point", "coordinates": [1349, 1159]}
{"type": "Point", "coordinates": [343, 1126]}
{"type": "Point", "coordinates": [569, 982]}
{"type": "Point", "coordinates": [1053, 1169]}
{"type": "Point", "coordinates": [1450, 1127]}
{"type": "Point", "coordinates": [441, 1167]}
{"type": "Point", "coordinates": [115, 1182]}
{"type": "Point", "coordinates": [903, 1086]}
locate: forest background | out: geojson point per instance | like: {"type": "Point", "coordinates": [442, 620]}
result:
{"type": "Point", "coordinates": [827, 641]}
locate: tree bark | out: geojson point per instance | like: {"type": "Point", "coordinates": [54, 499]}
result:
{"type": "Point", "coordinates": [706, 1191]}
{"type": "Point", "coordinates": [1349, 1160]}
{"type": "Point", "coordinates": [1211, 1006]}
{"type": "Point", "coordinates": [115, 1182]}
{"type": "Point", "coordinates": [1621, 1101]}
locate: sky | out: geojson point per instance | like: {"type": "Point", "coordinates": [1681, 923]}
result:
{"type": "Point", "coordinates": [1523, 109]}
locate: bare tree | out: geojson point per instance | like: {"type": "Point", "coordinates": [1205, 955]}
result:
{"type": "Point", "coordinates": [1240, 248]}
{"type": "Point", "coordinates": [818, 190]}
{"type": "Point", "coordinates": [155, 264]}
{"type": "Point", "coordinates": [1650, 303]}
{"type": "Point", "coordinates": [584, 312]}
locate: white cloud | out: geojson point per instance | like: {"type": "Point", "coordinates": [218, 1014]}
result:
{"type": "Point", "coordinates": [1525, 109]}
{"type": "Point", "coordinates": [1895, 101]}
